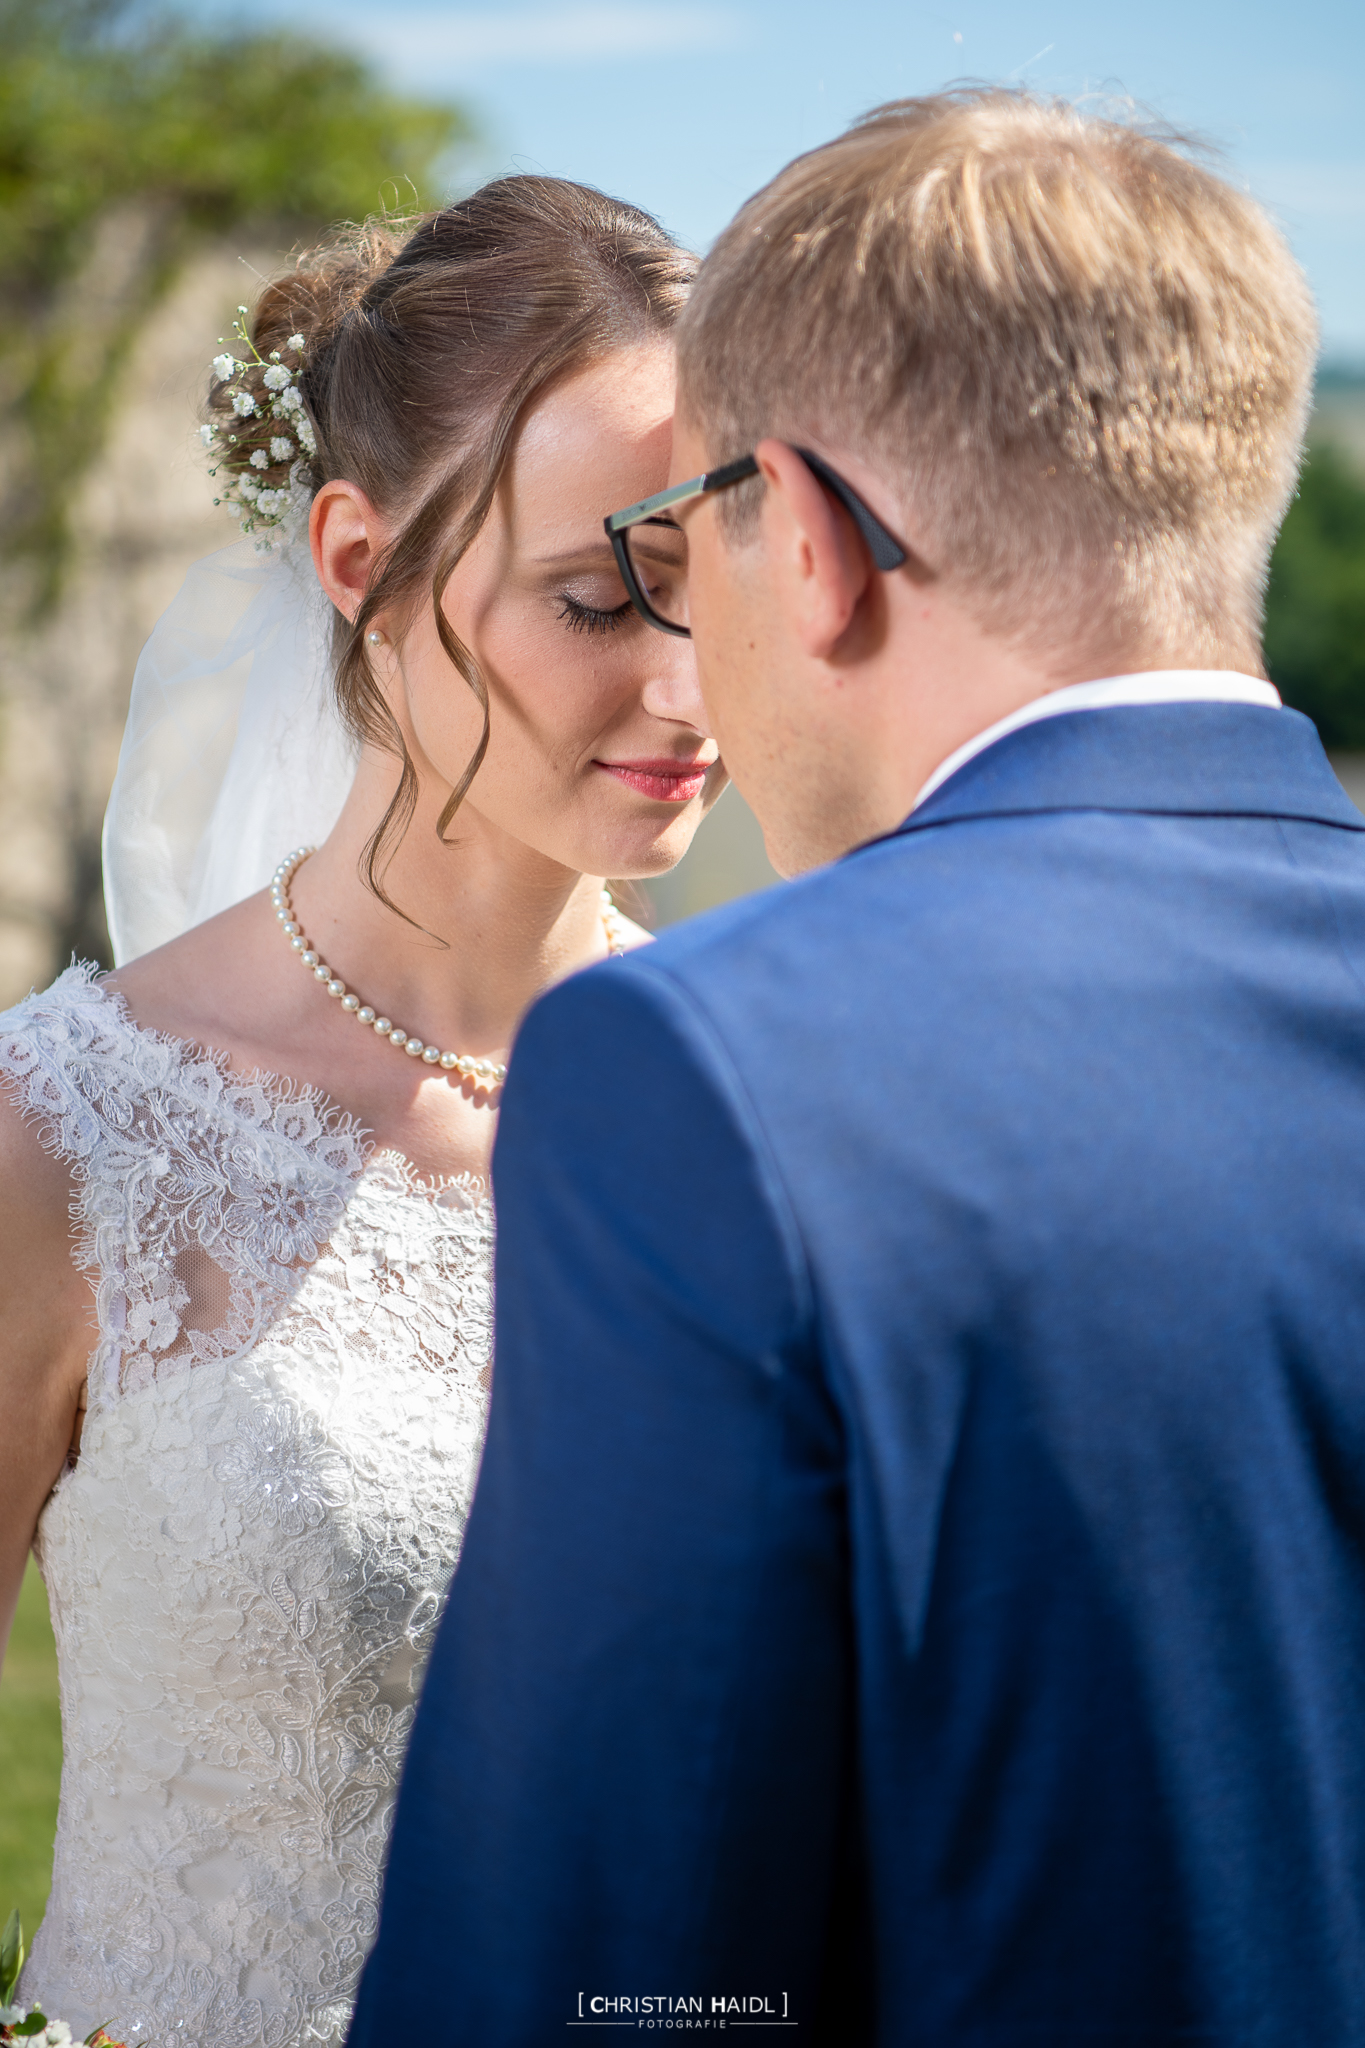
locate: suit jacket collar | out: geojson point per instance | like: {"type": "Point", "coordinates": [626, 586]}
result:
{"type": "Point", "coordinates": [1196, 759]}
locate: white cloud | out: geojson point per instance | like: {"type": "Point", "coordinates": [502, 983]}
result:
{"type": "Point", "coordinates": [569, 35]}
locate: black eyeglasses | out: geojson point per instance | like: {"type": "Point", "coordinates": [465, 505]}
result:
{"type": "Point", "coordinates": [651, 550]}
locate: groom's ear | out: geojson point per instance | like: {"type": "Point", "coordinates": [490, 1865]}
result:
{"type": "Point", "coordinates": [818, 558]}
{"type": "Point", "coordinates": [345, 534]}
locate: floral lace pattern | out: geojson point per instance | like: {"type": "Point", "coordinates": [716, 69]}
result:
{"type": "Point", "coordinates": [247, 1561]}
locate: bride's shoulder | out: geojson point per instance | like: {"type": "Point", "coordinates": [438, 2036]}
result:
{"type": "Point", "coordinates": [78, 1057]}
{"type": "Point", "coordinates": [36, 1193]}
{"type": "Point", "coordinates": [47, 1330]}
{"type": "Point", "coordinates": [30, 1166]}
{"type": "Point", "coordinates": [40, 1043]}
{"type": "Point", "coordinates": [69, 1075]}
{"type": "Point", "coordinates": [42, 1036]}
{"type": "Point", "coordinates": [183, 989]}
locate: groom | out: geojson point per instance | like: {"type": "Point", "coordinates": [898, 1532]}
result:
{"type": "Point", "coordinates": [916, 1590]}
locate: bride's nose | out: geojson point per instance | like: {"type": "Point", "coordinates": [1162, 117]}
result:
{"type": "Point", "coordinates": [671, 689]}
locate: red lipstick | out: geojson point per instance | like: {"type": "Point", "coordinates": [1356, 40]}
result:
{"type": "Point", "coordinates": [667, 781]}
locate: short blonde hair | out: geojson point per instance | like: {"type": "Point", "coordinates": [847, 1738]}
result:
{"type": "Point", "coordinates": [1082, 362]}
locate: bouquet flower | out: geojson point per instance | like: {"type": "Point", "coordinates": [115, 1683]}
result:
{"type": "Point", "coordinates": [17, 2023]}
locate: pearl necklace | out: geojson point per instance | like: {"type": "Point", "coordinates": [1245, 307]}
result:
{"type": "Point", "coordinates": [488, 1072]}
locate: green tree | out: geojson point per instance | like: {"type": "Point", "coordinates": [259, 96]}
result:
{"type": "Point", "coordinates": [1315, 605]}
{"type": "Point", "coordinates": [124, 141]}
{"type": "Point", "coordinates": [120, 145]}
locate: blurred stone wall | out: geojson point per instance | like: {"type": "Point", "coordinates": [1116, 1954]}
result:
{"type": "Point", "coordinates": [144, 514]}
{"type": "Point", "coordinates": [726, 859]}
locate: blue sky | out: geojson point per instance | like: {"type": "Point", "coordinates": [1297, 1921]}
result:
{"type": "Point", "coordinates": [685, 108]}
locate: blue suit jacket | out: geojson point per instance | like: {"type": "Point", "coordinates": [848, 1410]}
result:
{"type": "Point", "coordinates": [918, 1569]}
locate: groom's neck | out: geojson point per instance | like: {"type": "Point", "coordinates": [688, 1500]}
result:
{"type": "Point", "coordinates": [881, 716]}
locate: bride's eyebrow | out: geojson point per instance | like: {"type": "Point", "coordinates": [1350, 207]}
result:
{"type": "Point", "coordinates": [589, 554]}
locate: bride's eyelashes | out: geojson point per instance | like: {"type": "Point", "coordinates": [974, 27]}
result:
{"type": "Point", "coordinates": [587, 618]}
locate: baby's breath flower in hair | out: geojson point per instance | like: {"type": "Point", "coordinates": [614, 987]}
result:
{"type": "Point", "coordinates": [265, 472]}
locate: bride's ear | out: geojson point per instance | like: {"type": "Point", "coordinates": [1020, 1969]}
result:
{"type": "Point", "coordinates": [345, 534]}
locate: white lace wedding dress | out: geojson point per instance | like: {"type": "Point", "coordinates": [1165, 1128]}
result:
{"type": "Point", "coordinates": [246, 1562]}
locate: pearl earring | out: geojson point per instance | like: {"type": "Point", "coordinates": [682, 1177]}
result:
{"type": "Point", "coordinates": [376, 638]}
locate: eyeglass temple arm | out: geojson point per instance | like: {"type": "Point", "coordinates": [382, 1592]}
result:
{"type": "Point", "coordinates": [695, 487]}
{"type": "Point", "coordinates": [729, 473]}
{"type": "Point", "coordinates": [885, 549]}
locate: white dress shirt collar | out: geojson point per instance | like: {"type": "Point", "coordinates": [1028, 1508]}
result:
{"type": "Point", "coordinates": [1156, 686]}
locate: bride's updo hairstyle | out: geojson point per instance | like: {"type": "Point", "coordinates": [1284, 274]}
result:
{"type": "Point", "coordinates": [424, 346]}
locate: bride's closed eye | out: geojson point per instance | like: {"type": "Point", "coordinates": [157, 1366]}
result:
{"type": "Point", "coordinates": [588, 618]}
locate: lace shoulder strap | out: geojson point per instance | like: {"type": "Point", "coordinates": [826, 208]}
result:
{"type": "Point", "coordinates": [199, 1192]}
{"type": "Point", "coordinates": [59, 1050]}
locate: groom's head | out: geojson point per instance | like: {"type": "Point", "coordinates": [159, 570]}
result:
{"type": "Point", "coordinates": [1065, 365]}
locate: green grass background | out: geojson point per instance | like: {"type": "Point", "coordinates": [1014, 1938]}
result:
{"type": "Point", "coordinates": [30, 1758]}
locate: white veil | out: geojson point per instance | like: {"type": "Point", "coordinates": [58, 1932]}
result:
{"type": "Point", "coordinates": [233, 753]}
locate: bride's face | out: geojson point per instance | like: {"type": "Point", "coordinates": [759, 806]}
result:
{"type": "Point", "coordinates": [599, 755]}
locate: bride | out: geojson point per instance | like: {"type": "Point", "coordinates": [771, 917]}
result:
{"type": "Point", "coordinates": [245, 1298]}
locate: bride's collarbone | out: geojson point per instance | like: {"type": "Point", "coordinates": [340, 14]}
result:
{"type": "Point", "coordinates": [210, 991]}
